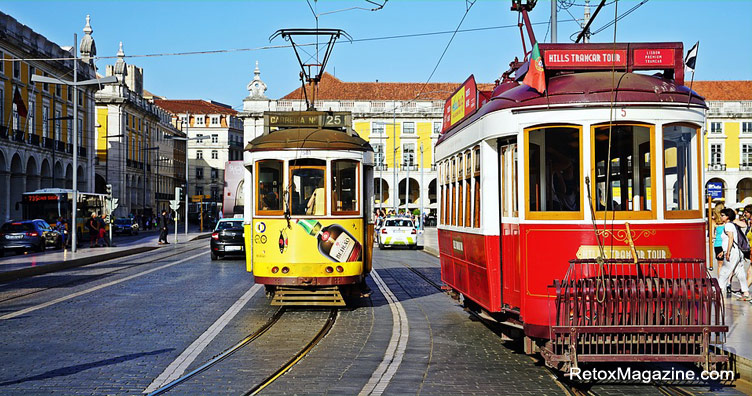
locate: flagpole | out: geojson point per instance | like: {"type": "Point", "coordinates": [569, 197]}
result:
{"type": "Point", "coordinates": [696, 49]}
{"type": "Point", "coordinates": [690, 88]}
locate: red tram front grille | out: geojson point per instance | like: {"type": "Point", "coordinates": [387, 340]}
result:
{"type": "Point", "coordinates": [655, 310]}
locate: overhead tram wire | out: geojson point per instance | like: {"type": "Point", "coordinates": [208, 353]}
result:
{"type": "Point", "coordinates": [619, 17]}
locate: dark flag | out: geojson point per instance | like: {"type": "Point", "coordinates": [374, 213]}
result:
{"type": "Point", "coordinates": [692, 57]}
{"type": "Point", "coordinates": [18, 101]}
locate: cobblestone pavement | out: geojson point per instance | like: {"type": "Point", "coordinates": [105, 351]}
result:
{"type": "Point", "coordinates": [113, 327]}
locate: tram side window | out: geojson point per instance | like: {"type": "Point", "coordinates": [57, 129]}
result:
{"type": "Point", "coordinates": [308, 188]}
{"type": "Point", "coordinates": [468, 190]}
{"type": "Point", "coordinates": [554, 169]}
{"type": "Point", "coordinates": [269, 189]}
{"type": "Point", "coordinates": [628, 176]}
{"type": "Point", "coordinates": [680, 167]}
{"type": "Point", "coordinates": [344, 186]}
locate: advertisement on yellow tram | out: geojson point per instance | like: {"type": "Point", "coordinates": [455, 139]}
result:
{"type": "Point", "coordinates": [309, 245]}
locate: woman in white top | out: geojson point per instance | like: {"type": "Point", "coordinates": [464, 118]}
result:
{"type": "Point", "coordinates": [732, 255]}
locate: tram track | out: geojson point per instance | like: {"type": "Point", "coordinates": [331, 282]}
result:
{"type": "Point", "coordinates": [99, 276]}
{"type": "Point", "coordinates": [331, 319]}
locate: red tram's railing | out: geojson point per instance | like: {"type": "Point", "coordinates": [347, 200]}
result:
{"type": "Point", "coordinates": [652, 310]}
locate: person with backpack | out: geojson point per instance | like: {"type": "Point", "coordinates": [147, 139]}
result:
{"type": "Point", "coordinates": [733, 259]}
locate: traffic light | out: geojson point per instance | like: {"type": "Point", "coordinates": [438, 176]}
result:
{"type": "Point", "coordinates": [109, 189]}
{"type": "Point", "coordinates": [179, 194]}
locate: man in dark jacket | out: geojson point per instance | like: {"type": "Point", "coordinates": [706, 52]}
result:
{"type": "Point", "coordinates": [93, 226]}
{"type": "Point", "coordinates": [164, 220]}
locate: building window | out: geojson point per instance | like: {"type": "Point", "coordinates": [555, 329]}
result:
{"type": "Point", "coordinates": [46, 86]}
{"type": "Point", "coordinates": [199, 172]}
{"type": "Point", "coordinates": [437, 127]}
{"type": "Point", "coordinates": [716, 127]}
{"type": "Point", "coordinates": [214, 193]}
{"type": "Point", "coordinates": [45, 119]}
{"type": "Point", "coordinates": [57, 125]}
{"type": "Point", "coordinates": [214, 120]}
{"type": "Point", "coordinates": [377, 128]}
{"type": "Point", "coordinates": [408, 154]}
{"type": "Point", "coordinates": [2, 62]}
{"type": "Point", "coordinates": [81, 132]}
{"type": "Point", "coordinates": [69, 124]}
{"type": "Point", "coordinates": [199, 154]}
{"type": "Point", "coordinates": [32, 71]}
{"type": "Point", "coordinates": [17, 69]}
{"type": "Point", "coordinates": [184, 120]}
{"type": "Point", "coordinates": [200, 120]}
{"type": "Point", "coordinates": [378, 153]}
{"type": "Point", "coordinates": [214, 173]}
{"type": "Point", "coordinates": [746, 127]}
{"type": "Point", "coordinates": [215, 154]}
{"type": "Point", "coordinates": [716, 154]}
{"type": "Point", "coordinates": [215, 138]}
{"type": "Point", "coordinates": [746, 160]}
{"type": "Point", "coordinates": [30, 116]}
{"type": "Point", "coordinates": [58, 90]}
{"type": "Point", "coordinates": [408, 127]}
{"type": "Point", "coordinates": [199, 190]}
{"type": "Point", "coordinates": [69, 91]}
{"type": "Point", "coordinates": [199, 136]}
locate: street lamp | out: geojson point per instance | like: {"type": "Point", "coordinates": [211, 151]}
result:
{"type": "Point", "coordinates": [185, 139]}
{"type": "Point", "coordinates": [75, 83]}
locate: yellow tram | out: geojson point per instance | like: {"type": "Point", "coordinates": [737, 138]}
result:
{"type": "Point", "coordinates": [308, 227]}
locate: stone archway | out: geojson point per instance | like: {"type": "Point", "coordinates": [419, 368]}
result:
{"type": "Point", "coordinates": [81, 179]}
{"type": "Point", "coordinates": [17, 186]}
{"type": "Point", "coordinates": [69, 176]}
{"type": "Point", "coordinates": [380, 196]}
{"type": "Point", "coordinates": [100, 185]}
{"type": "Point", "coordinates": [32, 175]}
{"type": "Point", "coordinates": [46, 174]}
{"type": "Point", "coordinates": [432, 197]}
{"type": "Point", "coordinates": [58, 176]}
{"type": "Point", "coordinates": [4, 188]}
{"type": "Point", "coordinates": [414, 191]}
{"type": "Point", "coordinates": [744, 189]}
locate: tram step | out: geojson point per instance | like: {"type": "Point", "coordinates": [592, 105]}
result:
{"type": "Point", "coordinates": [327, 296]}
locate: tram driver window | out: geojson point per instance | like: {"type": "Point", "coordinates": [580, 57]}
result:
{"type": "Point", "coordinates": [554, 169]}
{"type": "Point", "coordinates": [344, 186]}
{"type": "Point", "coordinates": [680, 167]}
{"type": "Point", "coordinates": [308, 187]}
{"type": "Point", "coordinates": [269, 186]}
{"type": "Point", "coordinates": [628, 174]}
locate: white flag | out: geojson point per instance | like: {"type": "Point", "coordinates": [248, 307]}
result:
{"type": "Point", "coordinates": [692, 57]}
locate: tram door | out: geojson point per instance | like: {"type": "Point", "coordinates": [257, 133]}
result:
{"type": "Point", "coordinates": [510, 225]}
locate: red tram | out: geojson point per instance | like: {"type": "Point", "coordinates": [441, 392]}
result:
{"type": "Point", "coordinates": [542, 195]}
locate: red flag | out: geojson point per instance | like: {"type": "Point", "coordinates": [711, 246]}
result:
{"type": "Point", "coordinates": [18, 101]}
{"type": "Point", "coordinates": [536, 76]}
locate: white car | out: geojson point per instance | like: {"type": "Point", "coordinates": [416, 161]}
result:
{"type": "Point", "coordinates": [396, 231]}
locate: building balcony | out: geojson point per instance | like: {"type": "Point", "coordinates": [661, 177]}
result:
{"type": "Point", "coordinates": [716, 167]}
{"type": "Point", "coordinates": [3, 132]}
{"type": "Point", "coordinates": [59, 146]}
{"type": "Point", "coordinates": [745, 167]}
{"type": "Point", "coordinates": [48, 143]}
{"type": "Point", "coordinates": [18, 136]}
{"type": "Point", "coordinates": [381, 167]}
{"type": "Point", "coordinates": [408, 168]}
{"type": "Point", "coordinates": [34, 140]}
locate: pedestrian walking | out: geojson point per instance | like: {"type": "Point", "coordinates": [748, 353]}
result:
{"type": "Point", "coordinates": [164, 221]}
{"type": "Point", "coordinates": [93, 226]}
{"type": "Point", "coordinates": [103, 231]}
{"type": "Point", "coordinates": [733, 260]}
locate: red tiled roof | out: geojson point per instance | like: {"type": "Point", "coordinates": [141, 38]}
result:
{"type": "Point", "coordinates": [193, 106]}
{"type": "Point", "coordinates": [332, 88]}
{"type": "Point", "coordinates": [723, 90]}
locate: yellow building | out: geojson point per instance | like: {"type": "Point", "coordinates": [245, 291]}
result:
{"type": "Point", "coordinates": [728, 139]}
{"type": "Point", "coordinates": [402, 122]}
{"type": "Point", "coordinates": [36, 150]}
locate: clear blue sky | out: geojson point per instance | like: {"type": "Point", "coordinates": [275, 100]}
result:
{"type": "Point", "coordinates": [150, 27]}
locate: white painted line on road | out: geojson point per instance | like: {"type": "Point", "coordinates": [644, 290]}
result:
{"type": "Point", "coordinates": [180, 365]}
{"type": "Point", "coordinates": [395, 351]}
{"type": "Point", "coordinates": [93, 289]}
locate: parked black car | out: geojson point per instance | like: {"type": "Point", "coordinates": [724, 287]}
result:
{"type": "Point", "coordinates": [227, 238]}
{"type": "Point", "coordinates": [125, 225]}
{"type": "Point", "coordinates": [26, 235]}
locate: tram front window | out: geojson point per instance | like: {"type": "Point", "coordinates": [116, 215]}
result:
{"type": "Point", "coordinates": [680, 158]}
{"type": "Point", "coordinates": [308, 190]}
{"type": "Point", "coordinates": [554, 169]}
{"type": "Point", "coordinates": [630, 179]}
{"type": "Point", "coordinates": [269, 182]}
{"type": "Point", "coordinates": [344, 186]}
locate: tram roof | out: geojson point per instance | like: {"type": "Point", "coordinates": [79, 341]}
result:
{"type": "Point", "coordinates": [308, 139]}
{"type": "Point", "coordinates": [586, 89]}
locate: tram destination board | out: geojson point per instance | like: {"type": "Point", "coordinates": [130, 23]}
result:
{"type": "Point", "coordinates": [308, 119]}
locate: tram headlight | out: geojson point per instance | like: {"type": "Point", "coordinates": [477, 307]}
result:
{"type": "Point", "coordinates": [275, 270]}
{"type": "Point", "coordinates": [329, 270]}
{"type": "Point", "coordinates": [340, 269]}
{"type": "Point", "coordinates": [285, 270]}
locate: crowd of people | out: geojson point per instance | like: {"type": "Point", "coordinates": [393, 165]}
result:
{"type": "Point", "coordinates": [96, 226]}
{"type": "Point", "coordinates": [732, 261]}
{"type": "Point", "coordinates": [381, 214]}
